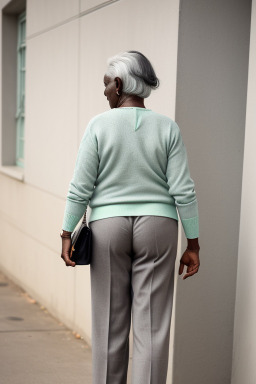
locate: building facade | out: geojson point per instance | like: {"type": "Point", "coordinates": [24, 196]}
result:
{"type": "Point", "coordinates": [53, 59]}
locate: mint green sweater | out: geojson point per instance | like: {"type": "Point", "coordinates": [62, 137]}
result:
{"type": "Point", "coordinates": [132, 162]}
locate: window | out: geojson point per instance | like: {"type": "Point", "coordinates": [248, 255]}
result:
{"type": "Point", "coordinates": [12, 119]}
{"type": "Point", "coordinates": [21, 70]}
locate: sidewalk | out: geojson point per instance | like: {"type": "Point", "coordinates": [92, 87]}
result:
{"type": "Point", "coordinates": [34, 347]}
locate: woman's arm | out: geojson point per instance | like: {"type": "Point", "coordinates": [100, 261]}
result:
{"type": "Point", "coordinates": [81, 186]}
{"type": "Point", "coordinates": [181, 186]}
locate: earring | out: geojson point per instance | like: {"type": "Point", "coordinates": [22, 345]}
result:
{"type": "Point", "coordinates": [117, 93]}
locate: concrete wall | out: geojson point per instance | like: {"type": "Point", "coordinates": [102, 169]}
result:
{"type": "Point", "coordinates": [211, 105]}
{"type": "Point", "coordinates": [244, 352]}
{"type": "Point", "coordinates": [68, 43]}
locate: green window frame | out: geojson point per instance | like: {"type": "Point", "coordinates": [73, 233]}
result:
{"type": "Point", "coordinates": [21, 71]}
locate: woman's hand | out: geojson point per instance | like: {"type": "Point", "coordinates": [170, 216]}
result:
{"type": "Point", "coordinates": [190, 258]}
{"type": "Point", "coordinates": [65, 253]}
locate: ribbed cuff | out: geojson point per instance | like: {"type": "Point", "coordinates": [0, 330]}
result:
{"type": "Point", "coordinates": [70, 222]}
{"type": "Point", "coordinates": [191, 227]}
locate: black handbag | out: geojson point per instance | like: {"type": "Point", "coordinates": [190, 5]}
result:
{"type": "Point", "coordinates": [81, 251]}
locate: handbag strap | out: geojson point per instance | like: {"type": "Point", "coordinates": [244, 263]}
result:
{"type": "Point", "coordinates": [84, 219]}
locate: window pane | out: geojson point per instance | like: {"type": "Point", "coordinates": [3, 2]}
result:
{"type": "Point", "coordinates": [20, 122]}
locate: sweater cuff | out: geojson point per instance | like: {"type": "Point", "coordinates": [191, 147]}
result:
{"type": "Point", "coordinates": [70, 222]}
{"type": "Point", "coordinates": [189, 217]}
{"type": "Point", "coordinates": [72, 215]}
{"type": "Point", "coordinates": [191, 227]}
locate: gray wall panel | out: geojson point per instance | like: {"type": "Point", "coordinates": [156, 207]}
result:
{"type": "Point", "coordinates": [210, 110]}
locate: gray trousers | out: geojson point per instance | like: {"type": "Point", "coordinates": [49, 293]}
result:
{"type": "Point", "coordinates": [132, 274]}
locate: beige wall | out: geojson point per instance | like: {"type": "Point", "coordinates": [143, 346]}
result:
{"type": "Point", "coordinates": [67, 49]}
{"type": "Point", "coordinates": [48, 14]}
{"type": "Point", "coordinates": [244, 368]}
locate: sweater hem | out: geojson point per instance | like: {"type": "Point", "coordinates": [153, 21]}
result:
{"type": "Point", "coordinates": [133, 209]}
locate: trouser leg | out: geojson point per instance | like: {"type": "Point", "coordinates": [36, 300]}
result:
{"type": "Point", "coordinates": [155, 248]}
{"type": "Point", "coordinates": [111, 299]}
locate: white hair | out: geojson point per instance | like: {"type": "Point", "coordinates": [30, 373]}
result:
{"type": "Point", "coordinates": [135, 71]}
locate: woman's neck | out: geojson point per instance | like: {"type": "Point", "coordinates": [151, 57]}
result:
{"type": "Point", "coordinates": [130, 101]}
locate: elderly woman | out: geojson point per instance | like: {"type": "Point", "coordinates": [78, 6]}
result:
{"type": "Point", "coordinates": [132, 171]}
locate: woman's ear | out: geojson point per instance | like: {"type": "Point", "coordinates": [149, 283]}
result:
{"type": "Point", "coordinates": [119, 84]}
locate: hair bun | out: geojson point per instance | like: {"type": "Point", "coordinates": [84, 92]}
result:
{"type": "Point", "coordinates": [152, 81]}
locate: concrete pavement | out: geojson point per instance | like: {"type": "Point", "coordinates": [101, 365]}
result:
{"type": "Point", "coordinates": [35, 348]}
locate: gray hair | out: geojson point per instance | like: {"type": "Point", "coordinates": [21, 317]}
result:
{"type": "Point", "coordinates": [135, 71]}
